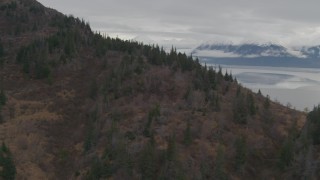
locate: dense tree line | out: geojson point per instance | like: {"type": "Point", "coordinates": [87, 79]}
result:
{"type": "Point", "coordinates": [74, 33]}
{"type": "Point", "coordinates": [39, 57]}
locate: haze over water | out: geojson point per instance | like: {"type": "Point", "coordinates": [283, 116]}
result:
{"type": "Point", "coordinates": [296, 87]}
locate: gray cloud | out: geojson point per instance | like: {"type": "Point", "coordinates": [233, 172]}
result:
{"type": "Point", "coordinates": [187, 23]}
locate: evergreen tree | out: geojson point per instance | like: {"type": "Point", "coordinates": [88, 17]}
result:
{"type": "Point", "coordinates": [267, 102]}
{"type": "Point", "coordinates": [251, 104]}
{"type": "Point", "coordinates": [226, 76]}
{"type": "Point", "coordinates": [241, 153]}
{"type": "Point", "coordinates": [148, 161]}
{"type": "Point", "coordinates": [219, 169]}
{"type": "Point", "coordinates": [212, 78]}
{"type": "Point", "coordinates": [1, 55]}
{"type": "Point", "coordinates": [240, 111]}
{"type": "Point", "coordinates": [94, 89]}
{"type": "Point", "coordinates": [314, 121]}
{"type": "Point", "coordinates": [3, 98]}
{"type": "Point", "coordinates": [171, 149]}
{"type": "Point", "coordinates": [235, 80]}
{"type": "Point", "coordinates": [154, 113]}
{"type": "Point", "coordinates": [7, 167]}
{"type": "Point", "coordinates": [238, 91]}
{"type": "Point", "coordinates": [220, 72]}
{"type": "Point", "coordinates": [187, 140]}
{"type": "Point", "coordinates": [1, 49]}
{"type": "Point", "coordinates": [217, 106]}
{"type": "Point", "coordinates": [286, 154]}
{"type": "Point", "coordinates": [96, 170]}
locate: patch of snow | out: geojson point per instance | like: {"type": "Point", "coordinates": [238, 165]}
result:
{"type": "Point", "coordinates": [296, 52]}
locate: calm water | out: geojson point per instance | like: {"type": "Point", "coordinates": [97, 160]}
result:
{"type": "Point", "coordinates": [299, 87]}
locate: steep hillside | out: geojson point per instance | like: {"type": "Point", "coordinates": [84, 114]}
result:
{"type": "Point", "coordinates": [77, 105]}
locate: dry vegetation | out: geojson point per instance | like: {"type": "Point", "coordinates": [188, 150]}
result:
{"type": "Point", "coordinates": [115, 109]}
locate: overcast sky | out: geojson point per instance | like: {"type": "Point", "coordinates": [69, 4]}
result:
{"type": "Point", "coordinates": [187, 23]}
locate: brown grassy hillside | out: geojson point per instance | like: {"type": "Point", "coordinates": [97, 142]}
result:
{"type": "Point", "coordinates": [83, 106]}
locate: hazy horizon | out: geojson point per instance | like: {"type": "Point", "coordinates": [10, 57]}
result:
{"type": "Point", "coordinates": [187, 24]}
{"type": "Point", "coordinates": [296, 87]}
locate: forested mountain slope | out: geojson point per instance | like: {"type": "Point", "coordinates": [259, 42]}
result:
{"type": "Point", "coordinates": [78, 105]}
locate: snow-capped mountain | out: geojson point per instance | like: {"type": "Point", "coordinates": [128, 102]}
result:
{"type": "Point", "coordinates": [252, 50]}
{"type": "Point", "coordinates": [311, 52]}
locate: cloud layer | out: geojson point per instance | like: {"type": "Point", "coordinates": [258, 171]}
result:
{"type": "Point", "coordinates": [188, 23]}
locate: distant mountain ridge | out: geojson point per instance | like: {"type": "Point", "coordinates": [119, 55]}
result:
{"type": "Point", "coordinates": [254, 50]}
{"type": "Point", "coordinates": [311, 52]}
